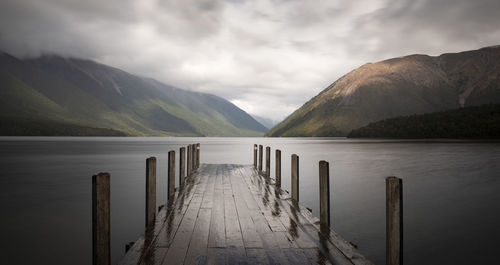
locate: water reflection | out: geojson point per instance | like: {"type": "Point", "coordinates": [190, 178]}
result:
{"type": "Point", "coordinates": [45, 178]}
{"type": "Point", "coordinates": [265, 198]}
{"type": "Point", "coordinates": [277, 208]}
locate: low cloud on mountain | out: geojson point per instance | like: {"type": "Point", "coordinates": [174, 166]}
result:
{"type": "Point", "coordinates": [266, 56]}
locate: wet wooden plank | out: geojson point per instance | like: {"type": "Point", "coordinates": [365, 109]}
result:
{"type": "Point", "coordinates": [285, 240]}
{"type": "Point", "coordinates": [178, 249]}
{"type": "Point", "coordinates": [180, 243]}
{"type": "Point", "coordinates": [197, 252]}
{"type": "Point", "coordinates": [296, 256]}
{"type": "Point", "coordinates": [154, 256]}
{"type": "Point", "coordinates": [228, 214]}
{"type": "Point", "coordinates": [300, 229]}
{"type": "Point", "coordinates": [175, 214]}
{"type": "Point", "coordinates": [257, 256]}
{"type": "Point", "coordinates": [234, 238]}
{"type": "Point", "coordinates": [151, 248]}
{"type": "Point", "coordinates": [315, 256]}
{"type": "Point", "coordinates": [270, 244]}
{"type": "Point", "coordinates": [344, 246]}
{"type": "Point", "coordinates": [251, 238]}
{"type": "Point", "coordinates": [208, 198]}
{"type": "Point", "coordinates": [216, 256]}
{"type": "Point", "coordinates": [280, 221]}
{"type": "Point", "coordinates": [217, 235]}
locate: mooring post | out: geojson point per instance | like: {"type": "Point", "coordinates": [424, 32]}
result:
{"type": "Point", "coordinates": [260, 158]}
{"type": "Point", "coordinates": [198, 149]}
{"type": "Point", "coordinates": [188, 164]}
{"type": "Point", "coordinates": [171, 174]}
{"type": "Point", "coordinates": [324, 192]}
{"type": "Point", "coordinates": [101, 246]}
{"type": "Point", "coordinates": [268, 161]}
{"type": "Point", "coordinates": [150, 192]}
{"type": "Point", "coordinates": [197, 156]}
{"type": "Point", "coordinates": [255, 156]}
{"type": "Point", "coordinates": [278, 168]}
{"type": "Point", "coordinates": [193, 159]}
{"type": "Point", "coordinates": [295, 177]}
{"type": "Point", "coordinates": [182, 166]}
{"type": "Point", "coordinates": [394, 221]}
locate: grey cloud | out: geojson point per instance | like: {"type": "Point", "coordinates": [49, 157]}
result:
{"type": "Point", "coordinates": [189, 19]}
{"type": "Point", "coordinates": [428, 26]}
{"type": "Point", "coordinates": [267, 56]}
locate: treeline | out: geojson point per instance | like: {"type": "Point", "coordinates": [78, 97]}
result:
{"type": "Point", "coordinates": [16, 126]}
{"type": "Point", "coordinates": [480, 122]}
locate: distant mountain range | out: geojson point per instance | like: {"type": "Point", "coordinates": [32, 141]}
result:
{"type": "Point", "coordinates": [403, 86]}
{"type": "Point", "coordinates": [52, 95]}
{"type": "Point", "coordinates": [267, 122]}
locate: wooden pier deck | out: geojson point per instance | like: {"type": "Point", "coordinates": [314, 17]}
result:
{"type": "Point", "coordinates": [229, 214]}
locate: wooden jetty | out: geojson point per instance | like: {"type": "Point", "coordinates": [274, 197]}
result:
{"type": "Point", "coordinates": [232, 214]}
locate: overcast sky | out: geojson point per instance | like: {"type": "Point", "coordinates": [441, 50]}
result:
{"type": "Point", "coordinates": [267, 56]}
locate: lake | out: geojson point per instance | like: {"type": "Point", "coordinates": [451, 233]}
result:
{"type": "Point", "coordinates": [451, 192]}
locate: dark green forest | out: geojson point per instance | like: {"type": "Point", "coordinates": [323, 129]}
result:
{"type": "Point", "coordinates": [480, 122]}
{"type": "Point", "coordinates": [22, 126]}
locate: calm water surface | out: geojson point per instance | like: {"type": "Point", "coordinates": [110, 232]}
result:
{"type": "Point", "coordinates": [451, 192]}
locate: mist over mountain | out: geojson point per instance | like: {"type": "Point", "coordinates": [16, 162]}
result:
{"type": "Point", "coordinates": [72, 94]}
{"type": "Point", "coordinates": [413, 84]}
{"type": "Point", "coordinates": [267, 122]}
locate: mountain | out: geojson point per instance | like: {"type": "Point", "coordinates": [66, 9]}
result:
{"type": "Point", "coordinates": [78, 95]}
{"type": "Point", "coordinates": [414, 84]}
{"type": "Point", "coordinates": [477, 122]}
{"type": "Point", "coordinates": [268, 123]}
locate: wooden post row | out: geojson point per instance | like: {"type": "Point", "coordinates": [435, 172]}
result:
{"type": "Point", "coordinates": [260, 158]}
{"type": "Point", "coordinates": [324, 192]}
{"type": "Point", "coordinates": [150, 192]}
{"type": "Point", "coordinates": [188, 164]}
{"type": "Point", "coordinates": [182, 166]}
{"type": "Point", "coordinates": [295, 177]}
{"type": "Point", "coordinates": [268, 161]}
{"type": "Point", "coordinates": [255, 156]}
{"type": "Point", "coordinates": [171, 174]}
{"type": "Point", "coordinates": [278, 168]}
{"type": "Point", "coordinates": [101, 246]}
{"type": "Point", "coordinates": [394, 221]}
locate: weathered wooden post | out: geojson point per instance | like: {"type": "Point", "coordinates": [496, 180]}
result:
{"type": "Point", "coordinates": [295, 177]}
{"type": "Point", "coordinates": [198, 147]}
{"type": "Point", "coordinates": [188, 164]}
{"type": "Point", "coordinates": [182, 166]}
{"type": "Point", "coordinates": [394, 221]}
{"type": "Point", "coordinates": [171, 174]}
{"type": "Point", "coordinates": [193, 158]}
{"type": "Point", "coordinates": [324, 192]}
{"type": "Point", "coordinates": [278, 168]}
{"type": "Point", "coordinates": [268, 161]}
{"type": "Point", "coordinates": [255, 156]}
{"type": "Point", "coordinates": [101, 246]}
{"type": "Point", "coordinates": [150, 192]}
{"type": "Point", "coordinates": [198, 155]}
{"type": "Point", "coordinates": [260, 158]}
